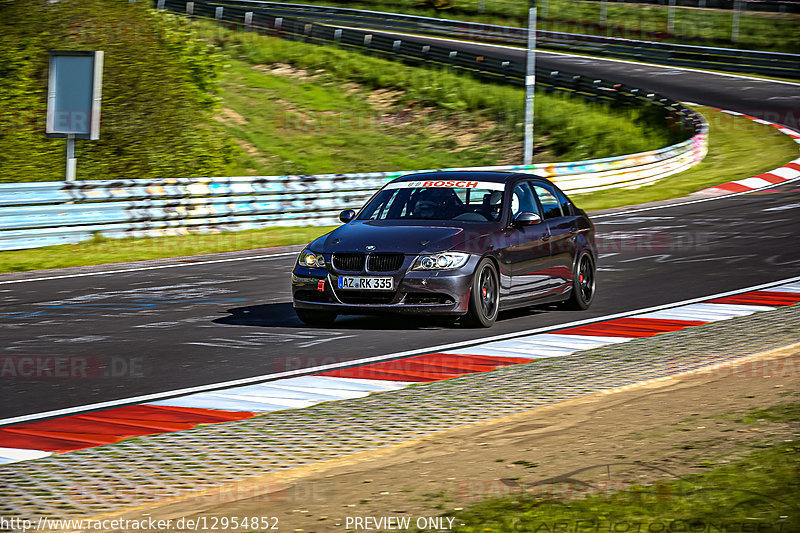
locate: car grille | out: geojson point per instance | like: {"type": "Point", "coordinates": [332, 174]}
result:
{"type": "Point", "coordinates": [348, 262]}
{"type": "Point", "coordinates": [366, 297]}
{"type": "Point", "coordinates": [384, 262]}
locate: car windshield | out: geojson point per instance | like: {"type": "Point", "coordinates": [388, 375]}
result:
{"type": "Point", "coordinates": [463, 200]}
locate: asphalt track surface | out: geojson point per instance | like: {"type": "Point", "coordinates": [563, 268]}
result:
{"type": "Point", "coordinates": [164, 329]}
{"type": "Point", "coordinates": [150, 331]}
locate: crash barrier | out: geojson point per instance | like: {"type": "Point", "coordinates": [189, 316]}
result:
{"type": "Point", "coordinates": [48, 213]}
{"type": "Point", "coordinates": [722, 59]}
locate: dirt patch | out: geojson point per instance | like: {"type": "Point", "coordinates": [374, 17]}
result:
{"type": "Point", "coordinates": [659, 430]}
{"type": "Point", "coordinates": [253, 151]}
{"type": "Point", "coordinates": [288, 71]}
{"type": "Point", "coordinates": [384, 99]}
{"type": "Point", "coordinates": [230, 117]}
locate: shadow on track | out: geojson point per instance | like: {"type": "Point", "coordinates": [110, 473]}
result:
{"type": "Point", "coordinates": [282, 315]}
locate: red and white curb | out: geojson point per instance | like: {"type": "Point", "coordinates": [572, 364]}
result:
{"type": "Point", "coordinates": [789, 171]}
{"type": "Point", "coordinates": [33, 440]}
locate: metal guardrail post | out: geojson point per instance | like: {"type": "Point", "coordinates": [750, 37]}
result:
{"type": "Point", "coordinates": [218, 13]}
{"type": "Point", "coordinates": [190, 8]}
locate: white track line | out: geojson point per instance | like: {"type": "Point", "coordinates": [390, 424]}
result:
{"type": "Point", "coordinates": [154, 267]}
{"type": "Point", "coordinates": [323, 368]}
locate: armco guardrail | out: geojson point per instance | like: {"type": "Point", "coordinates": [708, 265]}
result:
{"type": "Point", "coordinates": [723, 59]}
{"type": "Point", "coordinates": [44, 214]}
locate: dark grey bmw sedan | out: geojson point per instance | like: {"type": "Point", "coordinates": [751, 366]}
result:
{"type": "Point", "coordinates": [457, 244]}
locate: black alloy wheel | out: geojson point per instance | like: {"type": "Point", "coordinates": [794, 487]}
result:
{"type": "Point", "coordinates": [583, 284]}
{"type": "Point", "coordinates": [484, 299]}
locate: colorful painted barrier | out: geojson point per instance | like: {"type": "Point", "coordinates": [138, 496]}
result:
{"type": "Point", "coordinates": [44, 214]}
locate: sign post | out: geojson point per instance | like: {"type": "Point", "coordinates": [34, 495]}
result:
{"type": "Point", "coordinates": [73, 99]}
{"type": "Point", "coordinates": [530, 83]}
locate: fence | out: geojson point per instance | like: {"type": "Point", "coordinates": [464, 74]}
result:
{"type": "Point", "coordinates": [44, 214]}
{"type": "Point", "coordinates": [722, 59]}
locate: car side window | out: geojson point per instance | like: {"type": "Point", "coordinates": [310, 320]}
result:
{"type": "Point", "coordinates": [550, 204]}
{"type": "Point", "coordinates": [566, 205]}
{"type": "Point", "coordinates": [522, 200]}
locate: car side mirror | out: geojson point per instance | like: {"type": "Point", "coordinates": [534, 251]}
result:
{"type": "Point", "coordinates": [526, 218]}
{"type": "Point", "coordinates": [347, 215]}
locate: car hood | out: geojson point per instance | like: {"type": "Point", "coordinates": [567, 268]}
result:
{"type": "Point", "coordinates": [392, 236]}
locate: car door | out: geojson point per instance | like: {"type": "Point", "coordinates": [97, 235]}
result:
{"type": "Point", "coordinates": [561, 223]}
{"type": "Point", "coordinates": [526, 251]}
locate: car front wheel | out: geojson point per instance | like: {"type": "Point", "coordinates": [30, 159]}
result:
{"type": "Point", "coordinates": [583, 284]}
{"type": "Point", "coordinates": [484, 297]}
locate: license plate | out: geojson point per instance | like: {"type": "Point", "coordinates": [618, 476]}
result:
{"type": "Point", "coordinates": [366, 283]}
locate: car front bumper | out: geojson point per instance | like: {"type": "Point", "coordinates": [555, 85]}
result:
{"type": "Point", "coordinates": [435, 292]}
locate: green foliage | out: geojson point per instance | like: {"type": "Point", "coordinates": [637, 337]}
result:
{"type": "Point", "coordinates": [158, 92]}
{"type": "Point", "coordinates": [758, 493]}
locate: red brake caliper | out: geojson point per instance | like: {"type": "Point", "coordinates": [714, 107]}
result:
{"type": "Point", "coordinates": [484, 292]}
{"type": "Point", "coordinates": [580, 278]}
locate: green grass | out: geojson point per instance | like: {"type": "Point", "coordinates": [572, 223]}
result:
{"type": "Point", "coordinates": [758, 493]}
{"type": "Point", "coordinates": [757, 30]}
{"type": "Point", "coordinates": [102, 251]}
{"type": "Point", "coordinates": [328, 109]}
{"type": "Point", "coordinates": [786, 412]}
{"type": "Point", "coordinates": [738, 148]}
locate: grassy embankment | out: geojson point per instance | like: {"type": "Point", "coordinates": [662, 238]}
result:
{"type": "Point", "coordinates": [758, 493]}
{"type": "Point", "coordinates": [778, 32]}
{"type": "Point", "coordinates": [298, 108]}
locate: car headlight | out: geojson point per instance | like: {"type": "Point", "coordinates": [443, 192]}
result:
{"type": "Point", "coordinates": [311, 259]}
{"type": "Point", "coordinates": [442, 261]}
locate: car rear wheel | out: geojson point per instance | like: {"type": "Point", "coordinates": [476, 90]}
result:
{"type": "Point", "coordinates": [583, 284]}
{"type": "Point", "coordinates": [484, 297]}
{"type": "Point", "coordinates": [312, 317]}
